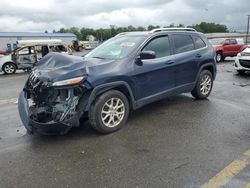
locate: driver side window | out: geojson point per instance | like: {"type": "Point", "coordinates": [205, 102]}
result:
{"type": "Point", "coordinates": [160, 46]}
{"type": "Point", "coordinates": [27, 51]}
{"type": "Point", "coordinates": [24, 51]}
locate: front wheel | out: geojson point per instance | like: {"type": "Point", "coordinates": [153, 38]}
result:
{"type": "Point", "coordinates": [9, 68]}
{"type": "Point", "coordinates": [109, 112]}
{"type": "Point", "coordinates": [203, 86]}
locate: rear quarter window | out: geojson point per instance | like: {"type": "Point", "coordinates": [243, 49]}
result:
{"type": "Point", "coordinates": [198, 42]}
{"type": "Point", "coordinates": [183, 43]}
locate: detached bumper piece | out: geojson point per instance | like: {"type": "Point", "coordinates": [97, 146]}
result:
{"type": "Point", "coordinates": [48, 110]}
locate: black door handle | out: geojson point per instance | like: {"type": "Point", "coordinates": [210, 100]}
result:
{"type": "Point", "coordinates": [198, 55]}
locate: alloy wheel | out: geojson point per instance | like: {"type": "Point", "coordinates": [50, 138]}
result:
{"type": "Point", "coordinates": [9, 68]}
{"type": "Point", "coordinates": [206, 84]}
{"type": "Point", "coordinates": [113, 112]}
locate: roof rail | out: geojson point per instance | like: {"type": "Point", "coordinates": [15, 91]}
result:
{"type": "Point", "coordinates": [123, 33]}
{"type": "Point", "coordinates": [172, 29]}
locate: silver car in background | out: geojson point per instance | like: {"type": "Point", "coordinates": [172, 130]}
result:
{"type": "Point", "coordinates": [25, 57]}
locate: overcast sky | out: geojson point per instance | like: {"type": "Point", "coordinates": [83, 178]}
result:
{"type": "Point", "coordinates": [32, 15]}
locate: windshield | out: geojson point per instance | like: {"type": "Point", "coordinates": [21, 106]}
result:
{"type": "Point", "coordinates": [117, 47]}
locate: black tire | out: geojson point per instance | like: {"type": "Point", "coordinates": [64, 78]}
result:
{"type": "Point", "coordinates": [9, 68]}
{"type": "Point", "coordinates": [97, 110]}
{"type": "Point", "coordinates": [241, 71]}
{"type": "Point", "coordinates": [80, 49]}
{"type": "Point", "coordinates": [196, 92]}
{"type": "Point", "coordinates": [219, 57]}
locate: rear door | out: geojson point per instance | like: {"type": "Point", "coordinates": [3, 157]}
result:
{"type": "Point", "coordinates": [186, 59]}
{"type": "Point", "coordinates": [235, 46]}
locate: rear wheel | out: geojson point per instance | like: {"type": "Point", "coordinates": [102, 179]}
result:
{"type": "Point", "coordinates": [219, 57]}
{"type": "Point", "coordinates": [9, 68]}
{"type": "Point", "coordinates": [80, 49]}
{"type": "Point", "coordinates": [109, 112]}
{"type": "Point", "coordinates": [203, 86]}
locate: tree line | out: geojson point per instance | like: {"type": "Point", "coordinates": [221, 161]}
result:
{"type": "Point", "coordinates": [104, 34]}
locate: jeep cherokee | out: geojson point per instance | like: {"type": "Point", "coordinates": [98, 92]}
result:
{"type": "Point", "coordinates": [124, 73]}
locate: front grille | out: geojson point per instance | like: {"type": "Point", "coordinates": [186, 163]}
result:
{"type": "Point", "coordinates": [245, 63]}
{"type": "Point", "coordinates": [33, 78]}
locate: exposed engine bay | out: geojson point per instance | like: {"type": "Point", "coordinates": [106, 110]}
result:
{"type": "Point", "coordinates": [48, 103]}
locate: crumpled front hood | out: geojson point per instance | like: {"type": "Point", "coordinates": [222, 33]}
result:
{"type": "Point", "coordinates": [55, 66]}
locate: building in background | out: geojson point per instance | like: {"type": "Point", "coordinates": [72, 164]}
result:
{"type": "Point", "coordinates": [238, 36]}
{"type": "Point", "coordinates": [8, 39]}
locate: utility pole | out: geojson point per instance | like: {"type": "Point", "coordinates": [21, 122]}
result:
{"type": "Point", "coordinates": [248, 18]}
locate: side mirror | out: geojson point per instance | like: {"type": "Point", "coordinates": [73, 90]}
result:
{"type": "Point", "coordinates": [147, 55]}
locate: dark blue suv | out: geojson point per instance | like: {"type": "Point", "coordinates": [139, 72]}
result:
{"type": "Point", "coordinates": [124, 73]}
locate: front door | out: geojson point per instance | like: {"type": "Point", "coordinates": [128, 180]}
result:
{"type": "Point", "coordinates": [231, 47]}
{"type": "Point", "coordinates": [26, 57]}
{"type": "Point", "coordinates": [155, 76]}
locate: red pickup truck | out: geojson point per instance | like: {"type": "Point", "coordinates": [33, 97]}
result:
{"type": "Point", "coordinates": [227, 47]}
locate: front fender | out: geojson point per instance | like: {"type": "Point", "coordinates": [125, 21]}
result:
{"type": "Point", "coordinates": [5, 59]}
{"type": "Point", "coordinates": [105, 87]}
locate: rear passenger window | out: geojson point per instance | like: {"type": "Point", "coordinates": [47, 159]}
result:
{"type": "Point", "coordinates": [160, 46]}
{"type": "Point", "coordinates": [198, 42]}
{"type": "Point", "coordinates": [183, 43]}
{"type": "Point", "coordinates": [233, 41]}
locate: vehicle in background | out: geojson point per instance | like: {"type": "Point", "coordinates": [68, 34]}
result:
{"type": "Point", "coordinates": [89, 45]}
{"type": "Point", "coordinates": [242, 61]}
{"type": "Point", "coordinates": [31, 51]}
{"type": "Point", "coordinates": [77, 46]}
{"type": "Point", "coordinates": [227, 48]}
{"type": "Point", "coordinates": [4, 52]}
{"type": "Point", "coordinates": [124, 73]}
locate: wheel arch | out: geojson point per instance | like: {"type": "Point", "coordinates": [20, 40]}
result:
{"type": "Point", "coordinates": [119, 85]}
{"type": "Point", "coordinates": [8, 62]}
{"type": "Point", "coordinates": [208, 66]}
{"type": "Point", "coordinates": [221, 52]}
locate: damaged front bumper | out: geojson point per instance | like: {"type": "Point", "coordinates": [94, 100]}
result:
{"type": "Point", "coordinates": [49, 110]}
{"type": "Point", "coordinates": [49, 128]}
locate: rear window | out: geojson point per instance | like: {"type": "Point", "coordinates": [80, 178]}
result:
{"type": "Point", "coordinates": [183, 43]}
{"type": "Point", "coordinates": [198, 42]}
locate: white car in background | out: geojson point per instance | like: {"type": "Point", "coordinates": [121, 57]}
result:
{"type": "Point", "coordinates": [242, 61]}
{"type": "Point", "coordinates": [26, 57]}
